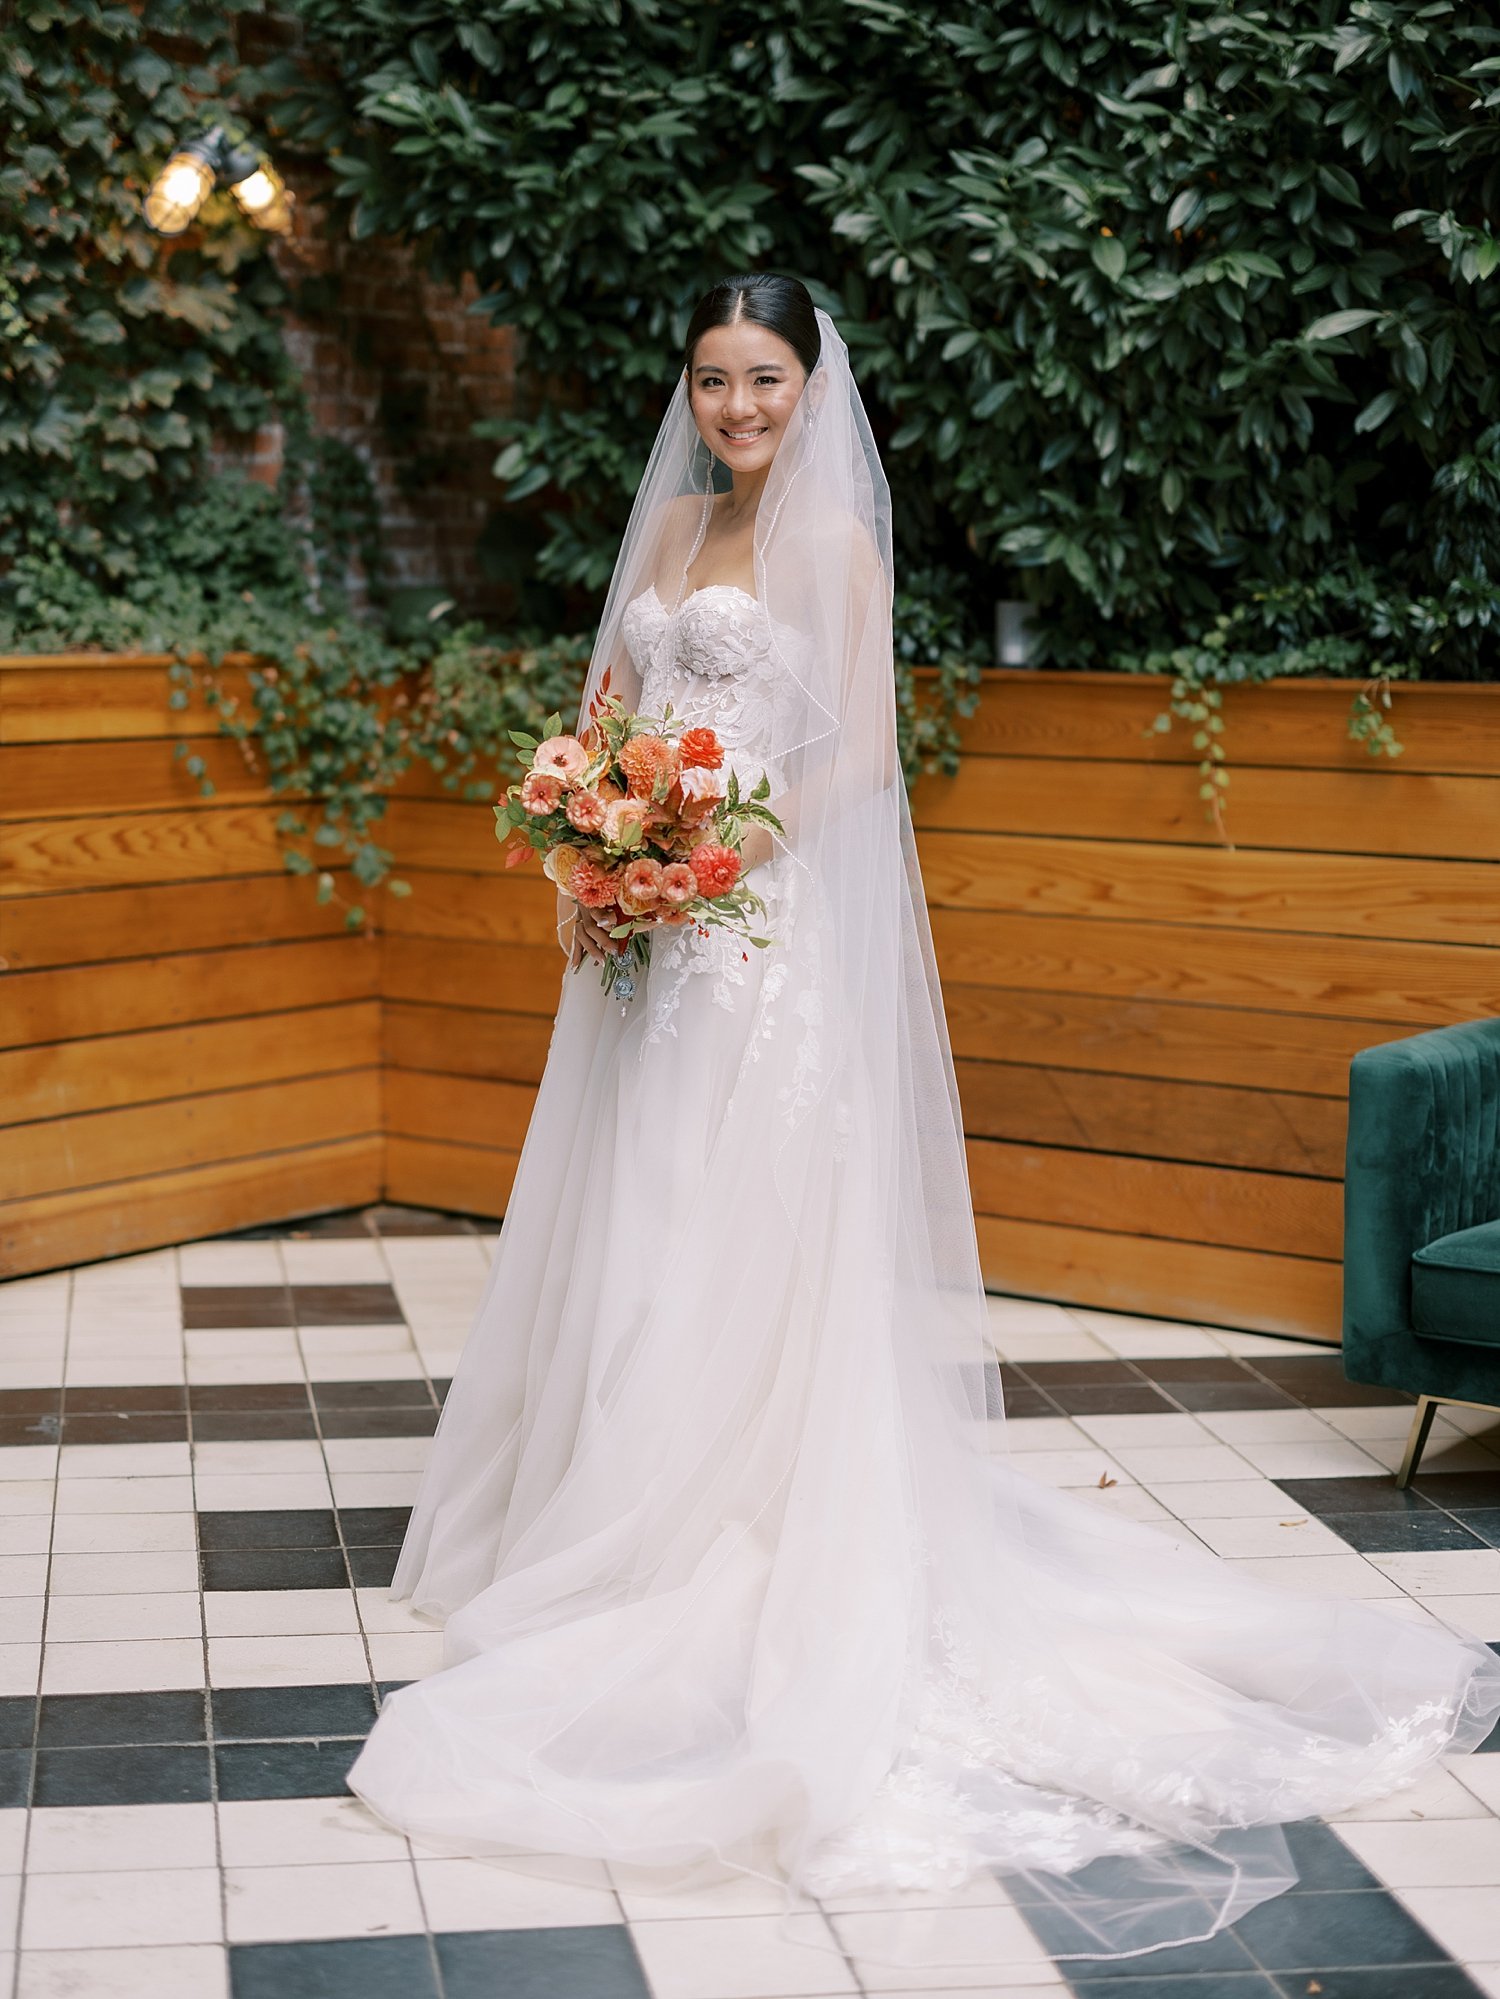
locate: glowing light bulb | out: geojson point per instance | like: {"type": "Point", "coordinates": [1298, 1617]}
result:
{"type": "Point", "coordinates": [178, 192]}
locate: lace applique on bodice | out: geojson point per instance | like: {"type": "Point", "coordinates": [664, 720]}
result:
{"type": "Point", "coordinates": [717, 663]}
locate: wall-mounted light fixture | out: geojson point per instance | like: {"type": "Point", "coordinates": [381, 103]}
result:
{"type": "Point", "coordinates": [214, 160]}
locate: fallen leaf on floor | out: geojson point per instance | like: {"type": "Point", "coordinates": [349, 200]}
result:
{"type": "Point", "coordinates": [1301, 1522]}
{"type": "Point", "coordinates": [1105, 1479]}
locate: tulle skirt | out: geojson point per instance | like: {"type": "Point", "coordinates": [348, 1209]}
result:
{"type": "Point", "coordinates": [729, 1590]}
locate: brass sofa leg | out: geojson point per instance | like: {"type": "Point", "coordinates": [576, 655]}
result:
{"type": "Point", "coordinates": [1416, 1437]}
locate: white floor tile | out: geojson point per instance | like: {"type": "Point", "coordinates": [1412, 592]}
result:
{"type": "Point", "coordinates": [299, 1832]}
{"type": "Point", "coordinates": [1319, 1575]}
{"type": "Point", "coordinates": [125, 1495]}
{"type": "Point", "coordinates": [251, 1613]}
{"type": "Point", "coordinates": [335, 1260]}
{"type": "Point", "coordinates": [21, 1620]}
{"type": "Point", "coordinates": [258, 1492]}
{"type": "Point", "coordinates": [141, 1615]}
{"type": "Point", "coordinates": [998, 1938]}
{"type": "Point", "coordinates": [215, 1371]}
{"type": "Point", "coordinates": [264, 1343]}
{"type": "Point", "coordinates": [1440, 1853]}
{"type": "Point", "coordinates": [1173, 1466]}
{"type": "Point", "coordinates": [286, 1662]}
{"type": "Point", "coordinates": [1139, 1342]}
{"type": "Point", "coordinates": [23, 1575]}
{"type": "Point", "coordinates": [318, 1341]}
{"type": "Point", "coordinates": [279, 1458]}
{"type": "Point", "coordinates": [1266, 1426]}
{"type": "Point", "coordinates": [1465, 1921]}
{"type": "Point", "coordinates": [644, 1900]}
{"type": "Point", "coordinates": [114, 1461]}
{"type": "Point", "coordinates": [378, 1612]}
{"type": "Point", "coordinates": [141, 1666]}
{"type": "Point", "coordinates": [1044, 1433]}
{"type": "Point", "coordinates": [18, 1668]}
{"type": "Point", "coordinates": [124, 1571]}
{"type": "Point", "coordinates": [124, 1371]}
{"type": "Point", "coordinates": [1024, 1347]}
{"type": "Point", "coordinates": [28, 1462]}
{"type": "Point", "coordinates": [25, 1534]}
{"type": "Point", "coordinates": [352, 1899]}
{"type": "Point", "coordinates": [1437, 1795]}
{"type": "Point", "coordinates": [1065, 1468]}
{"type": "Point", "coordinates": [87, 1839]}
{"type": "Point", "coordinates": [356, 1455]}
{"type": "Point", "coordinates": [1441, 1455]}
{"type": "Point", "coordinates": [180, 1971]}
{"type": "Point", "coordinates": [1145, 1432]}
{"type": "Point", "coordinates": [79, 1534]}
{"type": "Point", "coordinates": [19, 1497]}
{"type": "Point", "coordinates": [366, 1367]}
{"type": "Point", "coordinates": [493, 1895]}
{"type": "Point", "coordinates": [12, 1843]}
{"type": "Point", "coordinates": [210, 1263]}
{"type": "Point", "coordinates": [375, 1488]}
{"type": "Point", "coordinates": [405, 1655]}
{"type": "Point", "coordinates": [1247, 1345]}
{"type": "Point", "coordinates": [1268, 1534]}
{"type": "Point", "coordinates": [139, 1906]}
{"type": "Point", "coordinates": [1481, 1775]}
{"type": "Point", "coordinates": [741, 1957]}
{"type": "Point", "coordinates": [1476, 1616]}
{"type": "Point", "coordinates": [1444, 1571]}
{"type": "Point", "coordinates": [1335, 1459]}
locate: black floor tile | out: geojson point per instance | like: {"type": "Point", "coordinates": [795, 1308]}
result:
{"type": "Point", "coordinates": [246, 1395]}
{"type": "Point", "coordinates": [158, 1775]}
{"type": "Point", "coordinates": [339, 1222]}
{"type": "Point", "coordinates": [1212, 1396]}
{"type": "Point", "coordinates": [413, 1421]}
{"type": "Point", "coordinates": [1163, 1985]}
{"type": "Point", "coordinates": [252, 1426]}
{"type": "Point", "coordinates": [1214, 1962]}
{"type": "Point", "coordinates": [580, 1961]}
{"type": "Point", "coordinates": [15, 1778]}
{"type": "Point", "coordinates": [1483, 1521]}
{"type": "Point", "coordinates": [372, 1568]}
{"type": "Point", "coordinates": [1309, 1932]}
{"type": "Point", "coordinates": [440, 1386]}
{"type": "Point", "coordinates": [285, 1769]}
{"type": "Point", "coordinates": [1196, 1367]}
{"type": "Point", "coordinates": [126, 1426]}
{"type": "Point", "coordinates": [71, 1721]}
{"type": "Point", "coordinates": [1108, 1398]}
{"type": "Point", "coordinates": [30, 1401]}
{"type": "Point", "coordinates": [1467, 1491]}
{"type": "Point", "coordinates": [374, 1526]}
{"type": "Point", "coordinates": [1021, 1402]}
{"type": "Point", "coordinates": [273, 1568]}
{"type": "Point", "coordinates": [1055, 1374]}
{"type": "Point", "coordinates": [105, 1401]}
{"type": "Point", "coordinates": [1405, 1981]}
{"type": "Point", "coordinates": [205, 1306]}
{"type": "Point", "coordinates": [346, 1305]}
{"type": "Point", "coordinates": [1323, 1860]}
{"type": "Point", "coordinates": [258, 1714]}
{"type": "Point", "coordinates": [1400, 1533]}
{"type": "Point", "coordinates": [34, 1429]}
{"type": "Point", "coordinates": [17, 1721]}
{"type": "Point", "coordinates": [1322, 1496]}
{"type": "Point", "coordinates": [347, 1968]}
{"type": "Point", "coordinates": [372, 1394]}
{"type": "Point", "coordinates": [301, 1527]}
{"type": "Point", "coordinates": [389, 1218]}
{"type": "Point", "coordinates": [1319, 1381]}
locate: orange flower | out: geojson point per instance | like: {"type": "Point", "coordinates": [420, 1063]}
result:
{"type": "Point", "coordinates": [640, 886]}
{"type": "Point", "coordinates": [715, 869]}
{"type": "Point", "coordinates": [619, 816]}
{"type": "Point", "coordinates": [560, 756]}
{"type": "Point", "coordinates": [590, 884]}
{"type": "Point", "coordinates": [700, 749]}
{"type": "Point", "coordinates": [645, 759]}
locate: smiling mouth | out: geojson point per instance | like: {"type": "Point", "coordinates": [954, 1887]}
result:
{"type": "Point", "coordinates": [743, 436]}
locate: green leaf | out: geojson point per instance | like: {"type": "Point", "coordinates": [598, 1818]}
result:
{"type": "Point", "coordinates": [1333, 325]}
{"type": "Point", "coordinates": [1108, 252]}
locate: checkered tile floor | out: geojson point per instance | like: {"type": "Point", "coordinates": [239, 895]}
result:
{"type": "Point", "coordinates": [206, 1459]}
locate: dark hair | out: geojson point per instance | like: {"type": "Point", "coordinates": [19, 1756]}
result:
{"type": "Point", "coordinates": [781, 304]}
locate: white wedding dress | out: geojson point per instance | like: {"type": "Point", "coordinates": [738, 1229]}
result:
{"type": "Point", "coordinates": [694, 1616]}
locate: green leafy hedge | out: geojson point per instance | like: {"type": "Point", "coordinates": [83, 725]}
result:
{"type": "Point", "coordinates": [1160, 309]}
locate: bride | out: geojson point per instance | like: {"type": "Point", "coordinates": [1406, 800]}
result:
{"type": "Point", "coordinates": [736, 1575]}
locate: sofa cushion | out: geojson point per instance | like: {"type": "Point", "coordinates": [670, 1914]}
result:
{"type": "Point", "coordinates": [1455, 1287]}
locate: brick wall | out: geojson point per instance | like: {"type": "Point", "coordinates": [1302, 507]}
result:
{"type": "Point", "coordinates": [397, 367]}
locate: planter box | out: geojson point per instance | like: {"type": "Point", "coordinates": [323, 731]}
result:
{"type": "Point", "coordinates": [1152, 1031]}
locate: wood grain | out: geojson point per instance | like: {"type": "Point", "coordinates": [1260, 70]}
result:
{"type": "Point", "coordinates": [107, 923]}
{"type": "Point", "coordinates": [62, 1079]}
{"type": "Point", "coordinates": [1178, 1201]}
{"type": "Point", "coordinates": [49, 1231]}
{"type": "Point", "coordinates": [1201, 1283]}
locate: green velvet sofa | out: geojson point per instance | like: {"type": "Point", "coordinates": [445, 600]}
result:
{"type": "Point", "coordinates": [1422, 1222]}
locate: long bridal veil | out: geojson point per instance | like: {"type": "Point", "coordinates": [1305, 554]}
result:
{"type": "Point", "coordinates": [737, 1575]}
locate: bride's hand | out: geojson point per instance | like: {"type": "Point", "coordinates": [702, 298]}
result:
{"type": "Point", "coordinates": [589, 936]}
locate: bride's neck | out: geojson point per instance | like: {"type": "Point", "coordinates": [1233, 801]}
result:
{"type": "Point", "coordinates": [744, 496]}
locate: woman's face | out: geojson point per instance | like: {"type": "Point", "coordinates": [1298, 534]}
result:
{"type": "Point", "coordinates": [744, 383]}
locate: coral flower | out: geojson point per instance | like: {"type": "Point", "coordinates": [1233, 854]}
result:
{"type": "Point", "coordinates": [585, 811]}
{"type": "Point", "coordinates": [716, 869]}
{"type": "Point", "coordinates": [645, 760]}
{"type": "Point", "coordinates": [640, 886]}
{"type": "Point", "coordinates": [590, 884]}
{"type": "Point", "coordinates": [700, 749]}
{"type": "Point", "coordinates": [541, 793]}
{"type": "Point", "coordinates": [678, 883]}
{"type": "Point", "coordinates": [561, 757]}
{"type": "Point", "coordinates": [619, 816]}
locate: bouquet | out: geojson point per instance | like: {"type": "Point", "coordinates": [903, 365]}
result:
{"type": "Point", "coordinates": [638, 822]}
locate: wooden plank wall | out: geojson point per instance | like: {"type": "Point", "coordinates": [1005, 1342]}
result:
{"type": "Point", "coordinates": [1153, 1031]}
{"type": "Point", "coordinates": [188, 1043]}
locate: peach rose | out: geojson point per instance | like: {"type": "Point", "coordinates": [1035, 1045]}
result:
{"type": "Point", "coordinates": [621, 814]}
{"type": "Point", "coordinates": [561, 757]}
{"type": "Point", "coordinates": [640, 886]}
{"type": "Point", "coordinates": [541, 793]}
{"type": "Point", "coordinates": [678, 883]}
{"type": "Point", "coordinates": [559, 864]}
{"type": "Point", "coordinates": [585, 811]}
